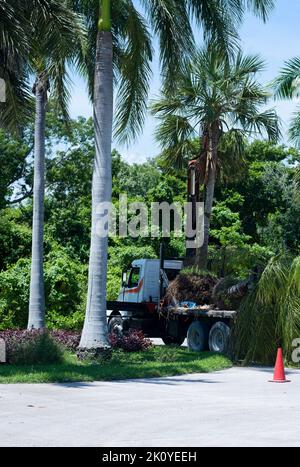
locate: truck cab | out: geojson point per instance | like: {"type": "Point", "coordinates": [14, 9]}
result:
{"type": "Point", "coordinates": [142, 282]}
{"type": "Point", "coordinates": [139, 296]}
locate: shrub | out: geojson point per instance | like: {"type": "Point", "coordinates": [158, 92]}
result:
{"type": "Point", "coordinates": [132, 341]}
{"type": "Point", "coordinates": [31, 347]}
{"type": "Point", "coordinates": [14, 295]}
{"type": "Point", "coordinates": [15, 238]}
{"type": "Point", "coordinates": [69, 340]}
{"type": "Point", "coordinates": [43, 347]}
{"type": "Point", "coordinates": [72, 321]}
{"type": "Point", "coordinates": [65, 284]}
{"type": "Point", "coordinates": [65, 289]}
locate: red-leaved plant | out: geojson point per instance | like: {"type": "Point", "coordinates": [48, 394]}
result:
{"type": "Point", "coordinates": [131, 341]}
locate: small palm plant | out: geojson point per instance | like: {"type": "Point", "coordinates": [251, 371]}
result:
{"type": "Point", "coordinates": [219, 101]}
{"type": "Point", "coordinates": [270, 315]}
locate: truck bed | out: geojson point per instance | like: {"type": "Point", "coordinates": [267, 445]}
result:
{"type": "Point", "coordinates": [208, 311]}
{"type": "Point", "coordinates": [202, 311]}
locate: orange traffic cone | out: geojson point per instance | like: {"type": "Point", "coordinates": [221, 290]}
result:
{"type": "Point", "coordinates": [279, 373]}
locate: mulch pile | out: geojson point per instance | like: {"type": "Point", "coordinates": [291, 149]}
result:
{"type": "Point", "coordinates": [224, 294]}
{"type": "Point", "coordinates": [228, 293]}
{"type": "Point", "coordinates": [190, 287]}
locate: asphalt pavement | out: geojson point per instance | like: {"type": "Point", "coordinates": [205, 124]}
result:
{"type": "Point", "coordinates": [236, 407]}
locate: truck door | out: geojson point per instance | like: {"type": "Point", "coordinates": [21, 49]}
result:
{"type": "Point", "coordinates": [132, 293]}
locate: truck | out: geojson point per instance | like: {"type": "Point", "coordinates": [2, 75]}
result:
{"type": "Point", "coordinates": [141, 305]}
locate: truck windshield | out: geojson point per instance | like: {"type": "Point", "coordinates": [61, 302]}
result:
{"type": "Point", "coordinates": [134, 278]}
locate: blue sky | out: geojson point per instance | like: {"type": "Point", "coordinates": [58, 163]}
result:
{"type": "Point", "coordinates": [276, 41]}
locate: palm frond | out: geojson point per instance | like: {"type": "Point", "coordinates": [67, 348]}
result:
{"type": "Point", "coordinates": [59, 43]}
{"type": "Point", "coordinates": [287, 85]}
{"type": "Point", "coordinates": [14, 46]}
{"type": "Point", "coordinates": [35, 34]}
{"type": "Point", "coordinates": [245, 65]}
{"type": "Point", "coordinates": [133, 75]}
{"type": "Point", "coordinates": [294, 130]}
{"type": "Point", "coordinates": [262, 122]}
{"type": "Point", "coordinates": [295, 275]}
{"type": "Point", "coordinates": [219, 20]}
{"type": "Point", "coordinates": [231, 151]}
{"type": "Point", "coordinates": [273, 281]}
{"type": "Point", "coordinates": [60, 87]}
{"type": "Point", "coordinates": [13, 38]}
{"type": "Point", "coordinates": [270, 315]}
{"type": "Point", "coordinates": [86, 61]}
{"type": "Point", "coordinates": [261, 8]}
{"type": "Point", "coordinates": [18, 107]}
{"type": "Point", "coordinates": [170, 22]}
{"type": "Point", "coordinates": [175, 136]}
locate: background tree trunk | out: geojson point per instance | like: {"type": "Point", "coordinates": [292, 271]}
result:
{"type": "Point", "coordinates": [200, 166]}
{"type": "Point", "coordinates": [94, 333]}
{"type": "Point", "coordinates": [36, 318]}
{"type": "Point", "coordinates": [209, 195]}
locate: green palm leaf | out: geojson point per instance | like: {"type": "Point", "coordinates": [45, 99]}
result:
{"type": "Point", "coordinates": [287, 85]}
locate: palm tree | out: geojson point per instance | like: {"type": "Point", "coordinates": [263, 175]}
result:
{"type": "Point", "coordinates": [120, 41]}
{"type": "Point", "coordinates": [269, 316]}
{"type": "Point", "coordinates": [217, 99]}
{"type": "Point", "coordinates": [57, 36]}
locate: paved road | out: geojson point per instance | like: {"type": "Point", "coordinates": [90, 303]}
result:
{"type": "Point", "coordinates": [237, 407]}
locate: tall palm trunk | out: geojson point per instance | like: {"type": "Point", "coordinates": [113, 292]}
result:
{"type": "Point", "coordinates": [94, 333]}
{"type": "Point", "coordinates": [36, 318]}
{"type": "Point", "coordinates": [209, 193]}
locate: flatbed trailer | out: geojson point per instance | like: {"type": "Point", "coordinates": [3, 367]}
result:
{"type": "Point", "coordinates": [205, 327]}
{"type": "Point", "coordinates": [203, 312]}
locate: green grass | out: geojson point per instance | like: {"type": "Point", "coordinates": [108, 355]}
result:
{"type": "Point", "coordinates": [156, 362]}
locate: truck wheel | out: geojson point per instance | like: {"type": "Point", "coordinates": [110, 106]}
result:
{"type": "Point", "coordinates": [115, 325]}
{"type": "Point", "coordinates": [219, 337]}
{"type": "Point", "coordinates": [169, 340]}
{"type": "Point", "coordinates": [197, 336]}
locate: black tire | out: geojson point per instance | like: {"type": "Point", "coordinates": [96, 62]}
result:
{"type": "Point", "coordinates": [219, 338]}
{"type": "Point", "coordinates": [169, 340]}
{"type": "Point", "coordinates": [115, 325]}
{"type": "Point", "coordinates": [197, 336]}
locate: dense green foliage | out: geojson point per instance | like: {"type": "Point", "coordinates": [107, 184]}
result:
{"type": "Point", "coordinates": [255, 216]}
